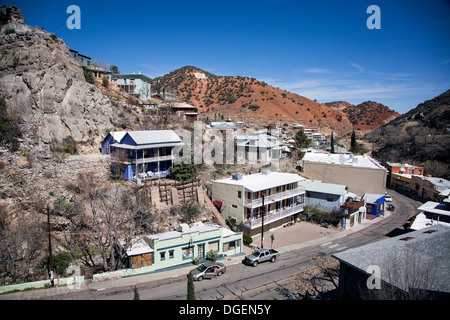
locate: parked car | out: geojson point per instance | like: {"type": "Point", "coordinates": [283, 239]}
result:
{"type": "Point", "coordinates": [208, 270]}
{"type": "Point", "coordinates": [387, 198]}
{"type": "Point", "coordinates": [261, 255]}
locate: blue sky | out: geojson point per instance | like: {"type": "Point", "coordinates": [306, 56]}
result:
{"type": "Point", "coordinates": [320, 49]}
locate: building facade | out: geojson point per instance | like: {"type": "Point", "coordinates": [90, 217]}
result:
{"type": "Point", "coordinates": [399, 175]}
{"type": "Point", "coordinates": [361, 174]}
{"type": "Point", "coordinates": [258, 148]}
{"type": "Point", "coordinates": [138, 85]}
{"type": "Point", "coordinates": [177, 248]}
{"type": "Point", "coordinates": [324, 196]}
{"type": "Point", "coordinates": [246, 199]}
{"type": "Point", "coordinates": [430, 188]}
{"type": "Point", "coordinates": [145, 154]}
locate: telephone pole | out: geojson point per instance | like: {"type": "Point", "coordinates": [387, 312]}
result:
{"type": "Point", "coordinates": [262, 219]}
{"type": "Point", "coordinates": [49, 242]}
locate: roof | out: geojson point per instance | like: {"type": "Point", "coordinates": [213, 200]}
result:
{"type": "Point", "coordinates": [262, 141]}
{"type": "Point", "coordinates": [422, 249]}
{"type": "Point", "coordinates": [434, 207]}
{"type": "Point", "coordinates": [153, 136]}
{"type": "Point", "coordinates": [372, 197]}
{"type": "Point", "coordinates": [118, 135]}
{"type": "Point", "coordinates": [343, 159]}
{"type": "Point", "coordinates": [438, 183]}
{"type": "Point", "coordinates": [132, 76]}
{"type": "Point", "coordinates": [322, 187]}
{"type": "Point", "coordinates": [263, 181]}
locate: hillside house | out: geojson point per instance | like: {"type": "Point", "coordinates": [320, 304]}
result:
{"type": "Point", "coordinates": [111, 138]}
{"type": "Point", "coordinates": [241, 198]}
{"type": "Point", "coordinates": [259, 148]}
{"type": "Point", "coordinates": [324, 196]}
{"type": "Point", "coordinates": [361, 174]}
{"type": "Point", "coordinates": [177, 248]}
{"type": "Point", "coordinates": [138, 85]}
{"type": "Point", "coordinates": [145, 154]}
{"type": "Point", "coordinates": [88, 66]}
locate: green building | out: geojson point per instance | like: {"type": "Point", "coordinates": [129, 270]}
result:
{"type": "Point", "coordinates": [176, 248]}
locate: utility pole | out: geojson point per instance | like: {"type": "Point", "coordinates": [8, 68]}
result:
{"type": "Point", "coordinates": [49, 243]}
{"type": "Point", "coordinates": [262, 219]}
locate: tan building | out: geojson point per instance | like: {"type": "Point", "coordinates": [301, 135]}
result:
{"type": "Point", "coordinates": [430, 188]}
{"type": "Point", "coordinates": [361, 174]}
{"type": "Point", "coordinates": [241, 197]}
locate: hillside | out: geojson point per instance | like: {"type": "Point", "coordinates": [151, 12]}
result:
{"type": "Point", "coordinates": [421, 134]}
{"type": "Point", "coordinates": [366, 116]}
{"type": "Point", "coordinates": [249, 100]}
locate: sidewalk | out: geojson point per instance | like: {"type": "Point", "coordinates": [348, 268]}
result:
{"type": "Point", "coordinates": [295, 237]}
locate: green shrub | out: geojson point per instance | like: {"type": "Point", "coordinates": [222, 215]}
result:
{"type": "Point", "coordinates": [212, 255]}
{"type": "Point", "coordinates": [247, 239]}
{"type": "Point", "coordinates": [70, 145]}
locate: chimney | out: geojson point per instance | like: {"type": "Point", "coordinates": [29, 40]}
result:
{"type": "Point", "coordinates": [184, 227]}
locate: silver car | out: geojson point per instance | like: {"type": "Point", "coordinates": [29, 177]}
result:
{"type": "Point", "coordinates": [208, 270]}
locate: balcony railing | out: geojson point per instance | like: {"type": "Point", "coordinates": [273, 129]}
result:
{"type": "Point", "coordinates": [272, 217]}
{"type": "Point", "coordinates": [152, 159]}
{"type": "Point", "coordinates": [274, 197]}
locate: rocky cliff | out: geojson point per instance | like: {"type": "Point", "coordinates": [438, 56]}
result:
{"type": "Point", "coordinates": [46, 88]}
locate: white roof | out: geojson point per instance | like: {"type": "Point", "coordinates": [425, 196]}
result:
{"type": "Point", "coordinates": [138, 247]}
{"type": "Point", "coordinates": [154, 136]}
{"type": "Point", "coordinates": [434, 207]}
{"type": "Point", "coordinates": [197, 227]}
{"type": "Point", "coordinates": [343, 159]}
{"type": "Point", "coordinates": [323, 187]}
{"type": "Point", "coordinates": [371, 197]}
{"type": "Point", "coordinates": [118, 135]}
{"type": "Point", "coordinates": [261, 181]}
{"type": "Point", "coordinates": [421, 221]}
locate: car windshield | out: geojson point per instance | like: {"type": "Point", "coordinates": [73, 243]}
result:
{"type": "Point", "coordinates": [201, 268]}
{"type": "Point", "coordinates": [255, 253]}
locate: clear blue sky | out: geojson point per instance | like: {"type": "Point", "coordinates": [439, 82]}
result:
{"type": "Point", "coordinates": [320, 49]}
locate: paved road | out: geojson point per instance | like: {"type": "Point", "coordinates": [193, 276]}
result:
{"type": "Point", "coordinates": [248, 283]}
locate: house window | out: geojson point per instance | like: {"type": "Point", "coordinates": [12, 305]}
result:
{"type": "Point", "coordinates": [329, 197]}
{"type": "Point", "coordinates": [239, 194]}
{"type": "Point", "coordinates": [214, 246]}
{"type": "Point", "coordinates": [188, 253]}
{"type": "Point", "coordinates": [234, 206]}
{"type": "Point", "coordinates": [231, 245]}
{"type": "Point", "coordinates": [163, 255]}
{"type": "Point", "coordinates": [171, 255]}
{"type": "Point", "coordinates": [201, 250]}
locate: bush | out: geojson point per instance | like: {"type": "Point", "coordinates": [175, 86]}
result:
{"type": "Point", "coordinates": [9, 128]}
{"type": "Point", "coordinates": [70, 145]}
{"type": "Point", "coordinates": [212, 255]}
{"type": "Point", "coordinates": [247, 239]}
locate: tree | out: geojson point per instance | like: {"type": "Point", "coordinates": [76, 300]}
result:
{"type": "Point", "coordinates": [314, 282]}
{"type": "Point", "coordinates": [354, 146]}
{"type": "Point", "coordinates": [114, 70]}
{"type": "Point", "coordinates": [190, 288]}
{"type": "Point", "coordinates": [332, 143]}
{"type": "Point", "coordinates": [136, 293]}
{"type": "Point", "coordinates": [301, 141]}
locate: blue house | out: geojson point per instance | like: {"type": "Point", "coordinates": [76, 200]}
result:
{"type": "Point", "coordinates": [111, 138]}
{"type": "Point", "coordinates": [325, 196]}
{"type": "Point", "coordinates": [374, 203]}
{"type": "Point", "coordinates": [144, 154]}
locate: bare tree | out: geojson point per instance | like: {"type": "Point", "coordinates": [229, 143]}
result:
{"type": "Point", "coordinates": [107, 219]}
{"type": "Point", "coordinates": [314, 281]}
{"type": "Point", "coordinates": [20, 244]}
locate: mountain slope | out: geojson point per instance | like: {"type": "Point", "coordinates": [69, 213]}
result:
{"type": "Point", "coordinates": [249, 100]}
{"type": "Point", "coordinates": [365, 116]}
{"type": "Point", "coordinates": [421, 134]}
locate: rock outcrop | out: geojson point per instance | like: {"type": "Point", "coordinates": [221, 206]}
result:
{"type": "Point", "coordinates": [45, 87]}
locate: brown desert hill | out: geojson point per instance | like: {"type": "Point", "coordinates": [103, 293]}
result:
{"type": "Point", "coordinates": [367, 116]}
{"type": "Point", "coordinates": [249, 100]}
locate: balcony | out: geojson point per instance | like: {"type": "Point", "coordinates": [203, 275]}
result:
{"type": "Point", "coordinates": [248, 203]}
{"type": "Point", "coordinates": [272, 217]}
{"type": "Point", "coordinates": [152, 159]}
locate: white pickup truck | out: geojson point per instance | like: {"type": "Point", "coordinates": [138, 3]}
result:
{"type": "Point", "coordinates": [261, 255]}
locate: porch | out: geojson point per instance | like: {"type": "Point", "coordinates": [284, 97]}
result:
{"type": "Point", "coordinates": [255, 221]}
